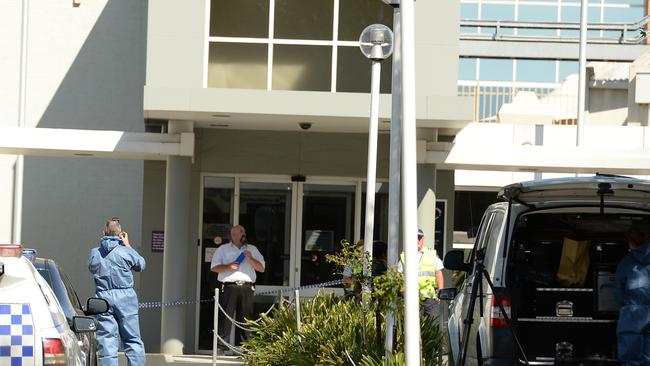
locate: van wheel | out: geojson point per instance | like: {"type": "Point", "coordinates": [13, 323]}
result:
{"type": "Point", "coordinates": [479, 354]}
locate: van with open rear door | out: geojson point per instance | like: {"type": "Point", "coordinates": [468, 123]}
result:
{"type": "Point", "coordinates": [550, 250]}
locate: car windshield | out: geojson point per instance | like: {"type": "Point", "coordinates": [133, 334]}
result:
{"type": "Point", "coordinates": [53, 278]}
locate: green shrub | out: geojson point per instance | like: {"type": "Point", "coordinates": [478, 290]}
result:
{"type": "Point", "coordinates": [332, 333]}
{"type": "Point", "coordinates": [338, 330]}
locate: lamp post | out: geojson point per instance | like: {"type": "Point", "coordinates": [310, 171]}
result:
{"type": "Point", "coordinates": [376, 43]}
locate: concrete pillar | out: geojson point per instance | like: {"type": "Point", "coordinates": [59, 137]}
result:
{"type": "Point", "coordinates": [177, 247]}
{"type": "Point", "coordinates": [427, 202]}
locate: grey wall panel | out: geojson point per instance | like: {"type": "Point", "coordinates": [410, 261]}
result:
{"type": "Point", "coordinates": [256, 152]}
{"type": "Point", "coordinates": [66, 203]}
{"type": "Point", "coordinates": [153, 218]}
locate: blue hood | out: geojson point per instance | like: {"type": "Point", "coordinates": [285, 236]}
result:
{"type": "Point", "coordinates": [108, 243]}
{"type": "Point", "coordinates": [642, 255]}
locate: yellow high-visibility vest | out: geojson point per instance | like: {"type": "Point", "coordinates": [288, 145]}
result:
{"type": "Point", "coordinates": [426, 273]}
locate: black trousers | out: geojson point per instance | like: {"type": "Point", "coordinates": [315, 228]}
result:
{"type": "Point", "coordinates": [430, 307]}
{"type": "Point", "coordinates": [237, 301]}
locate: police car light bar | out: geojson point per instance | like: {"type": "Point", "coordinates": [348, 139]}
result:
{"type": "Point", "coordinates": [11, 250]}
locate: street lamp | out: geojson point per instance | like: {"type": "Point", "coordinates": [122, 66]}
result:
{"type": "Point", "coordinates": [376, 43]}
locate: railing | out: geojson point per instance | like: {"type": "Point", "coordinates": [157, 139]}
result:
{"type": "Point", "coordinates": [637, 30]}
{"type": "Point", "coordinates": [489, 97]}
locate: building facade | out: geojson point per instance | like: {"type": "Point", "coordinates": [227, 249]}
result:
{"type": "Point", "coordinates": [185, 118]}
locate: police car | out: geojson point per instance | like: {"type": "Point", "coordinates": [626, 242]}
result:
{"type": "Point", "coordinates": [33, 327]}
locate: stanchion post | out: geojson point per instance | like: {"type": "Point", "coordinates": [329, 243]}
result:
{"type": "Point", "coordinates": [297, 299]}
{"type": "Point", "coordinates": [280, 298]}
{"type": "Point", "coordinates": [215, 331]}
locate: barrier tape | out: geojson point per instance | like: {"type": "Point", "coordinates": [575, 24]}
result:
{"type": "Point", "coordinates": [160, 304]}
{"type": "Point", "coordinates": [317, 285]}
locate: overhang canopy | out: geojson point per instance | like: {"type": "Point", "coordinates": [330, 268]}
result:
{"type": "Point", "coordinates": [278, 110]}
{"type": "Point", "coordinates": [506, 147]}
{"type": "Point", "coordinates": [106, 144]}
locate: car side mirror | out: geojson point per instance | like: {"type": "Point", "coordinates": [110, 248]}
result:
{"type": "Point", "coordinates": [447, 294]}
{"type": "Point", "coordinates": [96, 306]}
{"type": "Point", "coordinates": [83, 324]}
{"type": "Point", "coordinates": [455, 261]}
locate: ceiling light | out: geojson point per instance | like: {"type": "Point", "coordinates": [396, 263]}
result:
{"type": "Point", "coordinates": [221, 115]}
{"type": "Point", "coordinates": [219, 125]}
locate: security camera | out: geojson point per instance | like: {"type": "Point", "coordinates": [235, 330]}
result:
{"type": "Point", "coordinates": [304, 125]}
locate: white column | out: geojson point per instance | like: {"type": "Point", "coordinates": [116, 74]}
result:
{"type": "Point", "coordinates": [394, 186]}
{"type": "Point", "coordinates": [177, 246]}
{"type": "Point", "coordinates": [582, 73]}
{"type": "Point", "coordinates": [409, 188]}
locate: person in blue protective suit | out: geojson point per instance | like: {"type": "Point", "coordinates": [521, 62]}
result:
{"type": "Point", "coordinates": [111, 264]}
{"type": "Point", "coordinates": [632, 291]}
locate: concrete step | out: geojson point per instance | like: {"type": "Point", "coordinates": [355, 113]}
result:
{"type": "Point", "coordinates": [158, 359]}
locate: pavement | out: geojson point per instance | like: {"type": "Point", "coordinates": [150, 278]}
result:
{"type": "Point", "coordinates": [158, 359]}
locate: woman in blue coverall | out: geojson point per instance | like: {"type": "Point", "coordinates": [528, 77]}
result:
{"type": "Point", "coordinates": [632, 291]}
{"type": "Point", "coordinates": [111, 264]}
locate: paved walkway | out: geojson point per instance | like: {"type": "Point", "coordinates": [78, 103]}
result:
{"type": "Point", "coordinates": [157, 359]}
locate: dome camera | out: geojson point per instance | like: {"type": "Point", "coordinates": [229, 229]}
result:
{"type": "Point", "coordinates": [304, 125]}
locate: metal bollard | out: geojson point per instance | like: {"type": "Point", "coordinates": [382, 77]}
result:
{"type": "Point", "coordinates": [297, 310]}
{"type": "Point", "coordinates": [215, 331]}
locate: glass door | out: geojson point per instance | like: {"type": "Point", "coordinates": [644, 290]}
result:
{"type": "Point", "coordinates": [327, 217]}
{"type": "Point", "coordinates": [265, 209]}
{"type": "Point", "coordinates": [217, 213]}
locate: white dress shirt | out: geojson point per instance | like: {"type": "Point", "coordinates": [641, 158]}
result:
{"type": "Point", "coordinates": [227, 254]}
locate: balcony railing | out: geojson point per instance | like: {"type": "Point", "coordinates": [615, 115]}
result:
{"type": "Point", "coordinates": [632, 33]}
{"type": "Point", "coordinates": [489, 96]}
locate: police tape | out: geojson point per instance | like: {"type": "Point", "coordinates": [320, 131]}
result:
{"type": "Point", "coordinates": [284, 290]}
{"type": "Point", "coordinates": [161, 304]}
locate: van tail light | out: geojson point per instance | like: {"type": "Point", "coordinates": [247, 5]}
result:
{"type": "Point", "coordinates": [53, 352]}
{"type": "Point", "coordinates": [498, 320]}
{"type": "Point", "coordinates": [11, 250]}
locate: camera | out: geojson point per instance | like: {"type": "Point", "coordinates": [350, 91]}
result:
{"type": "Point", "coordinates": [304, 125]}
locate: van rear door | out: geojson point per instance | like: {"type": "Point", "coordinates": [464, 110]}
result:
{"type": "Point", "coordinates": [600, 190]}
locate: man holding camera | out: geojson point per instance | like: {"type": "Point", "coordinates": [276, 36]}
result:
{"type": "Point", "coordinates": [111, 264]}
{"type": "Point", "coordinates": [237, 263]}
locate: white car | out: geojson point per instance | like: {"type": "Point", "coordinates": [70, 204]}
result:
{"type": "Point", "coordinates": [33, 327]}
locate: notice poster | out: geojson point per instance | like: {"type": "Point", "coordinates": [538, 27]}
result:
{"type": "Point", "coordinates": [158, 241]}
{"type": "Point", "coordinates": [440, 227]}
{"type": "Point", "coordinates": [319, 240]}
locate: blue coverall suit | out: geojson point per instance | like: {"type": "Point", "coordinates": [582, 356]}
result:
{"type": "Point", "coordinates": [632, 291]}
{"type": "Point", "coordinates": [111, 264]}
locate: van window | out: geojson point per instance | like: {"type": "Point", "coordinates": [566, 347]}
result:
{"type": "Point", "coordinates": [480, 238]}
{"type": "Point", "coordinates": [490, 243]}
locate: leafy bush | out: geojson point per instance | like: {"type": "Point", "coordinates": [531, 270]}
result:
{"type": "Point", "coordinates": [332, 332]}
{"type": "Point", "coordinates": [339, 330]}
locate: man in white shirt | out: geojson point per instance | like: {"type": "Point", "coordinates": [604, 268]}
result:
{"type": "Point", "coordinates": [236, 263]}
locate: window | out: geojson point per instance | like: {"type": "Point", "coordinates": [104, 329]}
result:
{"type": "Point", "coordinates": [496, 70]}
{"type": "Point", "coordinates": [467, 69]}
{"type": "Point", "coordinates": [298, 67]}
{"type": "Point", "coordinates": [300, 52]}
{"type": "Point", "coordinates": [237, 65]}
{"type": "Point", "coordinates": [304, 19]}
{"type": "Point", "coordinates": [226, 18]}
{"type": "Point", "coordinates": [541, 71]}
{"type": "Point", "coordinates": [356, 70]}
{"type": "Point", "coordinates": [355, 15]}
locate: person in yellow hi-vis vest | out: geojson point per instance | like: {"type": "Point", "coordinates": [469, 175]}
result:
{"type": "Point", "coordinates": [429, 276]}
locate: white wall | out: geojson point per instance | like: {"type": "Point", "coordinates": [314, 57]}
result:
{"type": "Point", "coordinates": [86, 70]}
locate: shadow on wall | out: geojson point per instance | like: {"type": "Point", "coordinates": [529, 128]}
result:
{"type": "Point", "coordinates": [66, 200]}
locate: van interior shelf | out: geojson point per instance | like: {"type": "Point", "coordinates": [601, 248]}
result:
{"type": "Point", "coordinates": [565, 289]}
{"type": "Point", "coordinates": [566, 319]}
